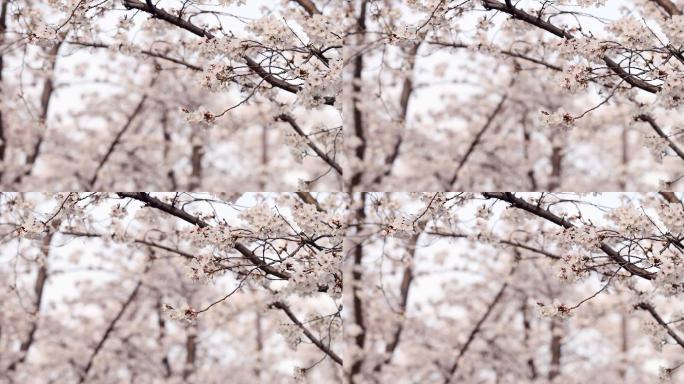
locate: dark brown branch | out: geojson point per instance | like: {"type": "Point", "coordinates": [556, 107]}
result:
{"type": "Point", "coordinates": [632, 80]}
{"type": "Point", "coordinates": [526, 338]}
{"type": "Point", "coordinates": [670, 197]}
{"type": "Point", "coordinates": [161, 336]}
{"type": "Point", "coordinates": [663, 323]}
{"type": "Point", "coordinates": [196, 157]}
{"type": "Point", "coordinates": [201, 32]}
{"type": "Point", "coordinates": [170, 209]}
{"type": "Point", "coordinates": [309, 199]}
{"type": "Point", "coordinates": [308, 6]}
{"type": "Point", "coordinates": [359, 131]}
{"type": "Point", "coordinates": [547, 26]}
{"type": "Point", "coordinates": [190, 349]}
{"type": "Point", "coordinates": [357, 303]}
{"type": "Point", "coordinates": [669, 7]}
{"type": "Point", "coordinates": [556, 167]}
{"type": "Point", "coordinates": [554, 349]}
{"type": "Point", "coordinates": [318, 343]}
{"type": "Point", "coordinates": [651, 121]}
{"type": "Point", "coordinates": [269, 77]}
{"type": "Point", "coordinates": [3, 137]}
{"type": "Point", "coordinates": [549, 216]}
{"type": "Point", "coordinates": [526, 17]}
{"type": "Point", "coordinates": [163, 15]}
{"type": "Point", "coordinates": [324, 156]}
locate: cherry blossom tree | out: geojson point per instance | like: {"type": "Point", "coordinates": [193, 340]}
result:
{"type": "Point", "coordinates": [170, 288]}
{"type": "Point", "coordinates": [523, 95]}
{"type": "Point", "coordinates": [514, 287]}
{"type": "Point", "coordinates": [174, 95]}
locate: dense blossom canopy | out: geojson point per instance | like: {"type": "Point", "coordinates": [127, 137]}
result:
{"type": "Point", "coordinates": [515, 288]}
{"type": "Point", "coordinates": [175, 95]}
{"type": "Point", "coordinates": [383, 274]}
{"type": "Point", "coordinates": [170, 288]}
{"type": "Point", "coordinates": [523, 95]}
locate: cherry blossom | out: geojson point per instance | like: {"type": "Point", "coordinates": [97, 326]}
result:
{"type": "Point", "coordinates": [171, 95]}
{"type": "Point", "coordinates": [519, 95]}
{"type": "Point", "coordinates": [514, 287]}
{"type": "Point", "coordinates": [171, 287]}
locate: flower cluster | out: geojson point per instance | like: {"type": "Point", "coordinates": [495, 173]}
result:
{"type": "Point", "coordinates": [219, 236]}
{"type": "Point", "coordinates": [200, 118]}
{"type": "Point", "coordinates": [657, 146]}
{"type": "Point", "coordinates": [185, 314]}
{"type": "Point", "coordinates": [292, 335]}
{"type": "Point", "coordinates": [671, 95]}
{"type": "Point", "coordinates": [630, 221]}
{"type": "Point", "coordinates": [576, 78]}
{"type": "Point", "coordinates": [558, 119]}
{"type": "Point", "coordinates": [32, 228]}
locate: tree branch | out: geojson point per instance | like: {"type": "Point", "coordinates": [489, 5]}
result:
{"type": "Point", "coordinates": [3, 137]}
{"type": "Point", "coordinates": [309, 199]}
{"type": "Point", "coordinates": [474, 332]}
{"type": "Point", "coordinates": [108, 331]}
{"type": "Point", "coordinates": [501, 241]}
{"type": "Point", "coordinates": [476, 140]}
{"type": "Point", "coordinates": [138, 241]}
{"type": "Point", "coordinates": [651, 121]}
{"type": "Point", "coordinates": [404, 290]}
{"type": "Point", "coordinates": [356, 280]}
{"type": "Point", "coordinates": [325, 348]}
{"type": "Point", "coordinates": [308, 6]}
{"type": "Point", "coordinates": [663, 323]}
{"type": "Point", "coordinates": [545, 25]}
{"type": "Point", "coordinates": [144, 52]}
{"type": "Point", "coordinates": [241, 248]}
{"type": "Point", "coordinates": [406, 92]}
{"type": "Point", "coordinates": [357, 114]}
{"type": "Point", "coordinates": [38, 289]}
{"type": "Point", "coordinates": [201, 32]}
{"type": "Point", "coordinates": [115, 142]}
{"type": "Point", "coordinates": [549, 216]}
{"type": "Point", "coordinates": [670, 197]}
{"type": "Point", "coordinates": [324, 156]}
{"type": "Point", "coordinates": [669, 7]}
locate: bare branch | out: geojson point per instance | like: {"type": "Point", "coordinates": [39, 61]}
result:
{"type": "Point", "coordinates": [108, 331]}
{"type": "Point", "coordinates": [116, 141]}
{"type": "Point", "coordinates": [476, 140]}
{"type": "Point", "coordinates": [464, 348]}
